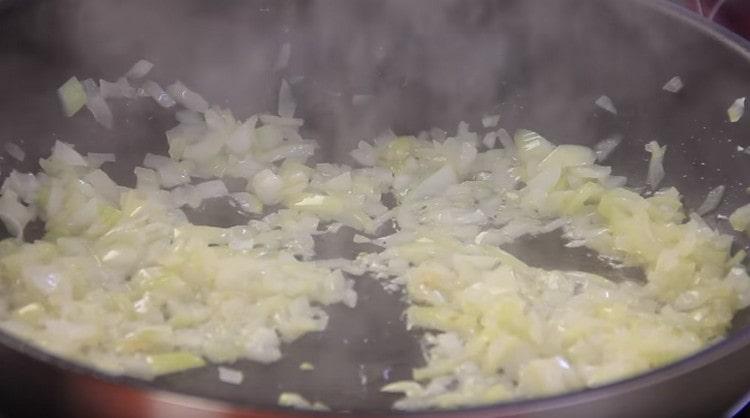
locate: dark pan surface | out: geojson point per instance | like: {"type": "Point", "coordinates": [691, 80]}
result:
{"type": "Point", "coordinates": [540, 64]}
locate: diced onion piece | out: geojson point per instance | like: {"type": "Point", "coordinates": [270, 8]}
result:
{"type": "Point", "coordinates": [287, 105]}
{"type": "Point", "coordinates": [171, 173]}
{"type": "Point", "coordinates": [436, 183]}
{"type": "Point", "coordinates": [103, 185]}
{"type": "Point", "coordinates": [25, 185]}
{"type": "Point", "coordinates": [740, 218]}
{"type": "Point", "coordinates": [364, 154]}
{"type": "Point", "coordinates": [72, 96]}
{"type": "Point", "coordinates": [173, 362]}
{"type": "Point", "coordinates": [606, 103]}
{"type": "Point", "coordinates": [490, 121]}
{"type": "Point", "coordinates": [243, 137]}
{"type": "Point", "coordinates": [14, 215]}
{"type": "Point", "coordinates": [712, 201]}
{"type": "Point", "coordinates": [158, 94]}
{"type": "Point", "coordinates": [606, 146]}
{"type": "Point", "coordinates": [248, 202]}
{"type": "Point", "coordinates": [14, 151]}
{"type": "Point", "coordinates": [66, 154]}
{"type": "Point", "coordinates": [267, 186]}
{"type": "Point", "coordinates": [120, 88]}
{"type": "Point", "coordinates": [231, 376]}
{"type": "Point", "coordinates": [674, 85]}
{"type": "Point", "coordinates": [506, 140]}
{"type": "Point", "coordinates": [489, 139]}
{"type": "Point", "coordinates": [97, 105]}
{"type": "Point", "coordinates": [207, 190]}
{"type": "Point", "coordinates": [655, 164]}
{"type": "Point", "coordinates": [736, 110]}
{"type": "Point", "coordinates": [139, 69]}
{"type": "Point", "coordinates": [187, 97]}
{"type": "Point", "coordinates": [295, 400]}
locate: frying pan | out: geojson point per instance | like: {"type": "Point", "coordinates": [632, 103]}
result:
{"type": "Point", "coordinates": [539, 64]}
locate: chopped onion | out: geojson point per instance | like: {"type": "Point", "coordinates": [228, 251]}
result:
{"type": "Point", "coordinates": [103, 185]}
{"type": "Point", "coordinates": [267, 186]}
{"type": "Point", "coordinates": [66, 154]}
{"type": "Point", "coordinates": [287, 105]}
{"type": "Point", "coordinates": [139, 69]}
{"type": "Point", "coordinates": [151, 88]}
{"type": "Point", "coordinates": [25, 185]}
{"type": "Point", "coordinates": [490, 121]}
{"type": "Point", "coordinates": [72, 96]}
{"type": "Point", "coordinates": [231, 376]}
{"type": "Point", "coordinates": [295, 400]}
{"type": "Point", "coordinates": [118, 89]}
{"type": "Point", "coordinates": [655, 165]}
{"type": "Point", "coordinates": [506, 140]}
{"type": "Point", "coordinates": [674, 85]}
{"type": "Point", "coordinates": [489, 139]}
{"type": "Point", "coordinates": [606, 103]}
{"type": "Point", "coordinates": [740, 219]}
{"type": "Point", "coordinates": [364, 154]}
{"type": "Point", "coordinates": [605, 147]}
{"type": "Point", "coordinates": [14, 151]}
{"type": "Point", "coordinates": [436, 183]}
{"type": "Point", "coordinates": [187, 97]}
{"type": "Point", "coordinates": [736, 110]}
{"type": "Point", "coordinates": [248, 202]}
{"type": "Point", "coordinates": [712, 201]}
{"type": "Point", "coordinates": [243, 137]}
{"type": "Point", "coordinates": [97, 105]}
{"type": "Point", "coordinates": [208, 190]}
{"type": "Point", "coordinates": [14, 215]}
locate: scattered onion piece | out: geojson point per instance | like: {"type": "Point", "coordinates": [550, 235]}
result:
{"type": "Point", "coordinates": [139, 69]}
{"type": "Point", "coordinates": [606, 103]}
{"type": "Point", "coordinates": [14, 151]}
{"type": "Point", "coordinates": [231, 376]}
{"type": "Point", "coordinates": [736, 110]}
{"type": "Point", "coordinates": [72, 96]}
{"type": "Point", "coordinates": [655, 165]}
{"type": "Point", "coordinates": [712, 201]}
{"type": "Point", "coordinates": [674, 85]}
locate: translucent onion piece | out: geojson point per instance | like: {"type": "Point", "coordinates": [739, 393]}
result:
{"type": "Point", "coordinates": [151, 88]}
{"type": "Point", "coordinates": [674, 85]}
{"type": "Point", "coordinates": [606, 146]}
{"type": "Point", "coordinates": [231, 376]}
{"type": "Point", "coordinates": [14, 151]}
{"type": "Point", "coordinates": [139, 69]}
{"type": "Point", "coordinates": [187, 97]}
{"type": "Point", "coordinates": [655, 165]}
{"type": "Point", "coordinates": [97, 105]}
{"type": "Point", "coordinates": [490, 121]}
{"type": "Point", "coordinates": [736, 110]}
{"type": "Point", "coordinates": [606, 103]}
{"type": "Point", "coordinates": [72, 96]}
{"type": "Point", "coordinates": [712, 201]}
